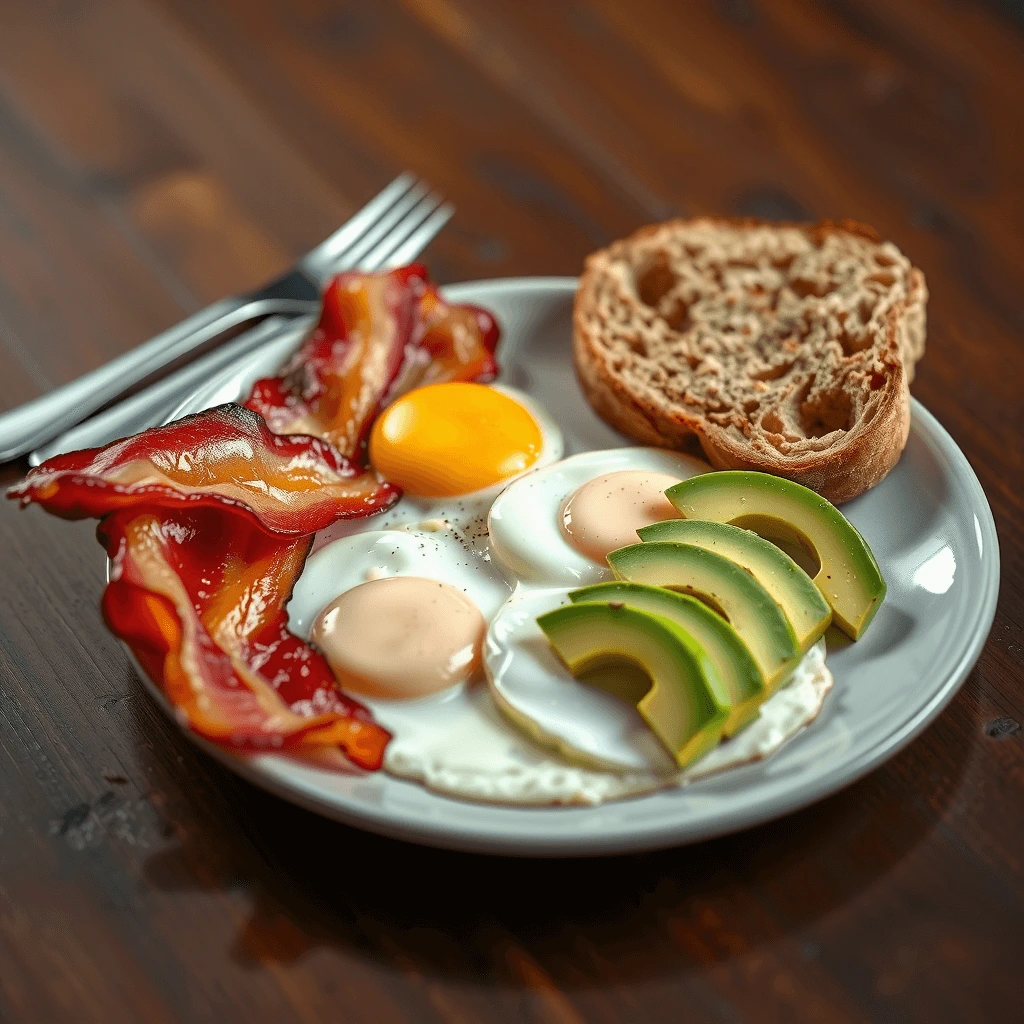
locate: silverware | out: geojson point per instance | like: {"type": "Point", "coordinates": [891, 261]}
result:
{"type": "Point", "coordinates": [406, 235]}
{"type": "Point", "coordinates": [388, 227]}
{"type": "Point", "coordinates": [153, 405]}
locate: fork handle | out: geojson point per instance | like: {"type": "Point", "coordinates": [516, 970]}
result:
{"type": "Point", "coordinates": [33, 424]}
{"type": "Point", "coordinates": [152, 405]}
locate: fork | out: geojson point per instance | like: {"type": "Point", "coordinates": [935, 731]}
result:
{"type": "Point", "coordinates": [402, 239]}
{"type": "Point", "coordinates": [391, 229]}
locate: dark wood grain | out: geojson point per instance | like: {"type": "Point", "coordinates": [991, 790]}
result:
{"type": "Point", "coordinates": [156, 154]}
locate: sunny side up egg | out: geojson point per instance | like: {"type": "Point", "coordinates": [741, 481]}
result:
{"type": "Point", "coordinates": [416, 608]}
{"type": "Point", "coordinates": [551, 530]}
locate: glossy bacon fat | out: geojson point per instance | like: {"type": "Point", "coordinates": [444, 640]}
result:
{"type": "Point", "coordinates": [208, 521]}
{"type": "Point", "coordinates": [453, 343]}
{"type": "Point", "coordinates": [224, 456]}
{"type": "Point", "coordinates": [199, 595]}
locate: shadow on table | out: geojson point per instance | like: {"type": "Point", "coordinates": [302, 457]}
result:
{"type": "Point", "coordinates": [461, 916]}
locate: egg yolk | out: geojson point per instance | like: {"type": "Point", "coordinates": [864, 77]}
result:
{"type": "Point", "coordinates": [605, 513]}
{"type": "Point", "coordinates": [448, 439]}
{"type": "Point", "coordinates": [401, 638]}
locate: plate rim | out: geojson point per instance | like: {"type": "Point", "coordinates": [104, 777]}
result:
{"type": "Point", "coordinates": [634, 838]}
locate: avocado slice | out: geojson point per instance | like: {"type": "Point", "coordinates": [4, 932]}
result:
{"type": "Point", "coordinates": [744, 684]}
{"type": "Point", "coordinates": [684, 705]}
{"type": "Point", "coordinates": [796, 519]}
{"type": "Point", "coordinates": [793, 590]}
{"type": "Point", "coordinates": [721, 583]}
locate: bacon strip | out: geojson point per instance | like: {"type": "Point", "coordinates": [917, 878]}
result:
{"type": "Point", "coordinates": [334, 385]}
{"type": "Point", "coordinates": [208, 523]}
{"type": "Point", "coordinates": [455, 343]}
{"type": "Point", "coordinates": [199, 595]}
{"type": "Point", "coordinates": [222, 457]}
{"type": "Point", "coordinates": [379, 336]}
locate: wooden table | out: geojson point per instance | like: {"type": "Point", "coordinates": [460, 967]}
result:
{"type": "Point", "coordinates": [157, 154]}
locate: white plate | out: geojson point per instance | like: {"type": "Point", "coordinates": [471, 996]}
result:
{"type": "Point", "coordinates": [929, 525]}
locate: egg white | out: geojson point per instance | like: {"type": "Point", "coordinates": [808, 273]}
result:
{"type": "Point", "coordinates": [459, 744]}
{"type": "Point", "coordinates": [443, 555]}
{"type": "Point", "coordinates": [524, 524]}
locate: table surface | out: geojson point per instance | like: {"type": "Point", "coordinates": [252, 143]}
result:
{"type": "Point", "coordinates": [157, 154]}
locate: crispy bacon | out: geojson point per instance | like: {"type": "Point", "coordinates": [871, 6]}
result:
{"type": "Point", "coordinates": [334, 385]}
{"type": "Point", "coordinates": [208, 522]}
{"type": "Point", "coordinates": [455, 343]}
{"type": "Point", "coordinates": [199, 595]}
{"type": "Point", "coordinates": [379, 336]}
{"type": "Point", "coordinates": [224, 457]}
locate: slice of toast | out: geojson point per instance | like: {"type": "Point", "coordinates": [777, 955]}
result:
{"type": "Point", "coordinates": [784, 348]}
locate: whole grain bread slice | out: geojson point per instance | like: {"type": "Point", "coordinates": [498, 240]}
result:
{"type": "Point", "coordinates": [784, 348]}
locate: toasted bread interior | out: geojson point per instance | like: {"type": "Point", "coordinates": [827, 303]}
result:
{"type": "Point", "coordinates": [772, 343]}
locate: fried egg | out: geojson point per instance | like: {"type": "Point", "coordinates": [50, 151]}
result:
{"type": "Point", "coordinates": [594, 728]}
{"type": "Point", "coordinates": [527, 523]}
{"type": "Point", "coordinates": [454, 741]}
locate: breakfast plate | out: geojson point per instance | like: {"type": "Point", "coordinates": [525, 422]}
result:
{"type": "Point", "coordinates": [928, 524]}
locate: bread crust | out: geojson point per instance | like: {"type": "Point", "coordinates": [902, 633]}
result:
{"type": "Point", "coordinates": [663, 382]}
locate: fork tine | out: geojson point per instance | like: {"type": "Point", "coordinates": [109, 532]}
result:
{"type": "Point", "coordinates": [413, 219]}
{"type": "Point", "coordinates": [421, 237]}
{"type": "Point", "coordinates": [331, 249]}
{"type": "Point", "coordinates": [354, 254]}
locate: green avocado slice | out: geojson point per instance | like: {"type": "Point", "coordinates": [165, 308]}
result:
{"type": "Point", "coordinates": [682, 705]}
{"type": "Point", "coordinates": [793, 516]}
{"type": "Point", "coordinates": [793, 590]}
{"type": "Point", "coordinates": [721, 583]}
{"type": "Point", "coordinates": [744, 684]}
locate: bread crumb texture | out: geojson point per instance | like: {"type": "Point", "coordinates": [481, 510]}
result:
{"type": "Point", "coordinates": [786, 348]}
